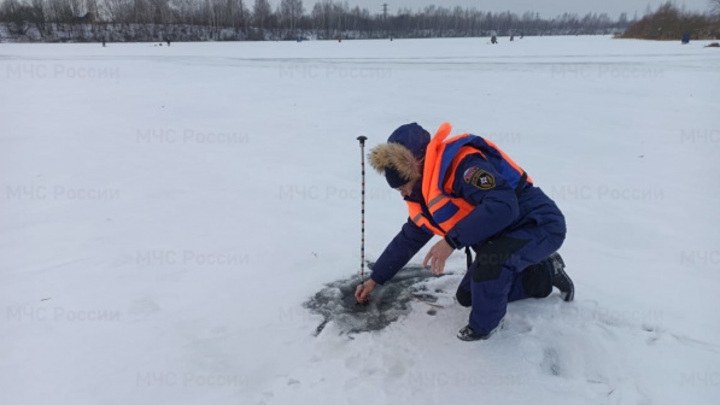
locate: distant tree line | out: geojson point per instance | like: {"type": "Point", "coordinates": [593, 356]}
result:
{"type": "Point", "coordinates": [150, 20]}
{"type": "Point", "coordinates": [668, 22]}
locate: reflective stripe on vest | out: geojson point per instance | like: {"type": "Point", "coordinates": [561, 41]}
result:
{"type": "Point", "coordinates": [417, 216]}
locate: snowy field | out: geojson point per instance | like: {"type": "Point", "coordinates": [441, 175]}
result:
{"type": "Point", "coordinates": [165, 212]}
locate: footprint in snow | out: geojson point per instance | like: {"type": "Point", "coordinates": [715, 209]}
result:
{"type": "Point", "coordinates": [551, 362]}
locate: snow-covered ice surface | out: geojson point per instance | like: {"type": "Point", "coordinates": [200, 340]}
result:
{"type": "Point", "coordinates": [165, 213]}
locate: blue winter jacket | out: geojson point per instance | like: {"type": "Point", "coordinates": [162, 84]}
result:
{"type": "Point", "coordinates": [497, 210]}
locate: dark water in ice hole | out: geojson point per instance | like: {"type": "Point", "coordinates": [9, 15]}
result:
{"type": "Point", "coordinates": [336, 301]}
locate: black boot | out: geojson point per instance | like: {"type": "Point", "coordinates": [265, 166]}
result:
{"type": "Point", "coordinates": [560, 278]}
{"type": "Point", "coordinates": [468, 334]}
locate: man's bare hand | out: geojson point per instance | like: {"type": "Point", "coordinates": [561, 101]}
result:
{"type": "Point", "coordinates": [437, 256]}
{"type": "Point", "coordinates": [362, 292]}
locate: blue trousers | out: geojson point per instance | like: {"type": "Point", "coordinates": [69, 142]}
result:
{"type": "Point", "coordinates": [507, 268]}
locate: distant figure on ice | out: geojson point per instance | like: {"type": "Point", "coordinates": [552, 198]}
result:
{"type": "Point", "coordinates": [493, 39]}
{"type": "Point", "coordinates": [686, 39]}
{"type": "Point", "coordinates": [471, 194]}
{"type": "Point", "coordinates": [512, 38]}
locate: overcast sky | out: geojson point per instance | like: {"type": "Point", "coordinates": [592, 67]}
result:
{"type": "Point", "coordinates": [546, 8]}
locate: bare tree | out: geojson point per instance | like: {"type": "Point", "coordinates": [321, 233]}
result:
{"type": "Point", "coordinates": [39, 14]}
{"type": "Point", "coordinates": [715, 7]}
{"type": "Point", "coordinates": [17, 15]}
{"type": "Point", "coordinates": [159, 11]}
{"type": "Point", "coordinates": [240, 14]}
{"type": "Point", "coordinates": [291, 11]}
{"type": "Point", "coordinates": [261, 13]}
{"type": "Point", "coordinates": [186, 11]}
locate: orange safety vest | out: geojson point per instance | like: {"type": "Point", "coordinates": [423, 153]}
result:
{"type": "Point", "coordinates": [442, 159]}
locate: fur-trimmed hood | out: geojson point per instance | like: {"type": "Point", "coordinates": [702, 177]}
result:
{"type": "Point", "coordinates": [404, 152]}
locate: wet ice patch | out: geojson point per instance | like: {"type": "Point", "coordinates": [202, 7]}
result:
{"type": "Point", "coordinates": [336, 302]}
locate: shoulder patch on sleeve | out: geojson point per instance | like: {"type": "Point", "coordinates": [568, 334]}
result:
{"type": "Point", "coordinates": [469, 173]}
{"type": "Point", "coordinates": [480, 179]}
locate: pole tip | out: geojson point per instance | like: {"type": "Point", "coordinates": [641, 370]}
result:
{"type": "Point", "coordinates": [362, 138]}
